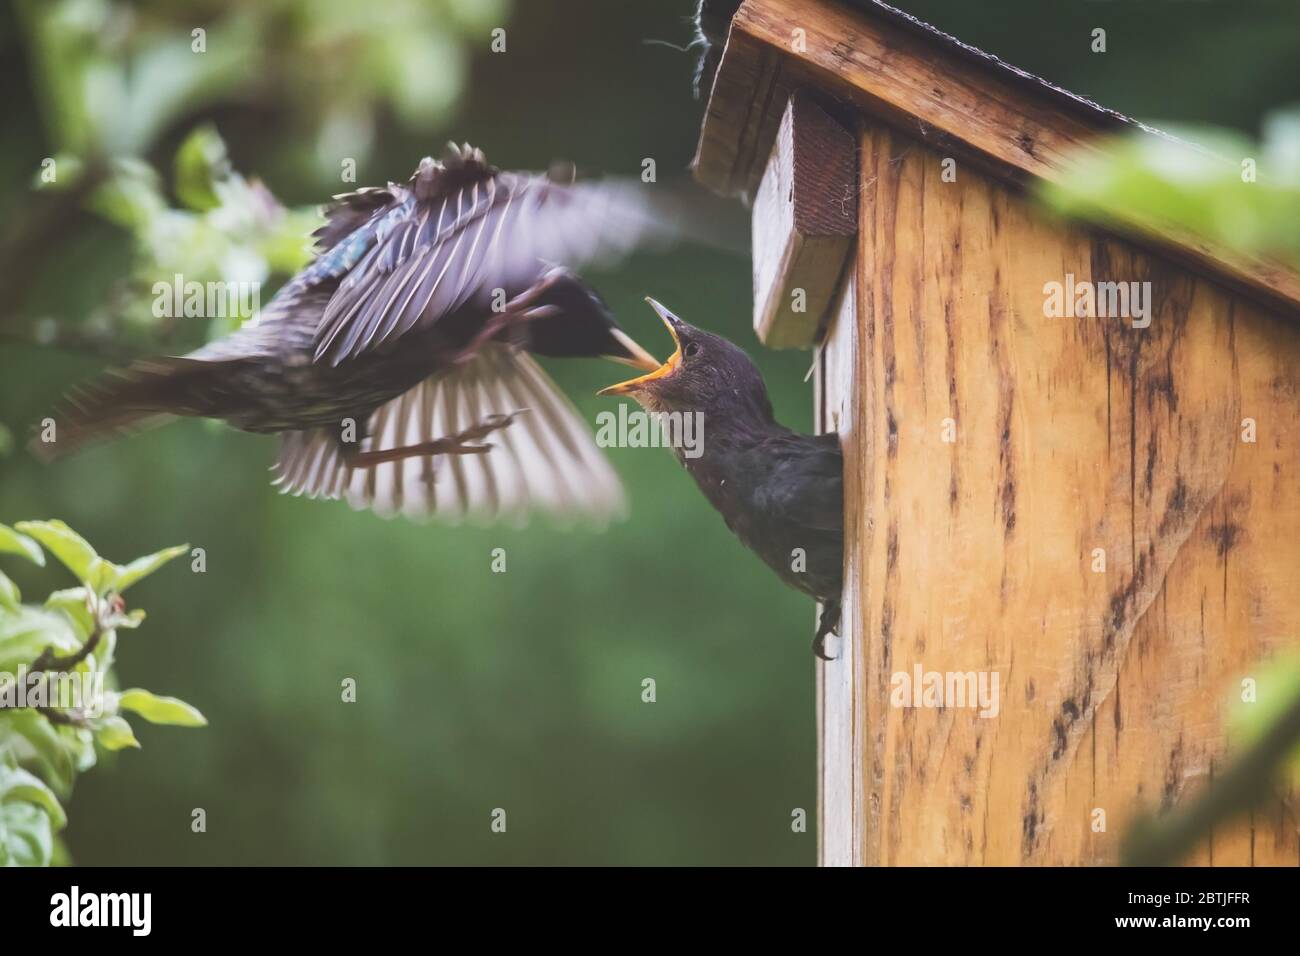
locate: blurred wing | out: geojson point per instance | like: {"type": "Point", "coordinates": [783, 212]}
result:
{"type": "Point", "coordinates": [545, 460]}
{"type": "Point", "coordinates": [354, 223]}
{"type": "Point", "coordinates": [284, 327]}
{"type": "Point", "coordinates": [429, 257]}
{"type": "Point", "coordinates": [350, 211]}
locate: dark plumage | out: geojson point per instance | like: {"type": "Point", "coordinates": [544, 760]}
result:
{"type": "Point", "coordinates": [386, 361]}
{"type": "Point", "coordinates": [780, 492]}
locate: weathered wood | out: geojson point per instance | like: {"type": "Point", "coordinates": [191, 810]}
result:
{"type": "Point", "coordinates": [976, 555]}
{"type": "Point", "coordinates": [741, 117]}
{"type": "Point", "coordinates": [1008, 124]}
{"type": "Point", "coordinates": [805, 217]}
{"type": "Point", "coordinates": [839, 711]}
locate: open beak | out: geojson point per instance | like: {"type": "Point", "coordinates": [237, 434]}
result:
{"type": "Point", "coordinates": [657, 370]}
{"type": "Point", "coordinates": [637, 357]}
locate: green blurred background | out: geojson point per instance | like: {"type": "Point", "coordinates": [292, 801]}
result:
{"type": "Point", "coordinates": [475, 690]}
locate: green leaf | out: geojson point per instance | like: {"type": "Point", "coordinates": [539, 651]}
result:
{"type": "Point", "coordinates": [1238, 194]}
{"type": "Point", "coordinates": [61, 856]}
{"type": "Point", "coordinates": [72, 602]}
{"type": "Point", "coordinates": [200, 162]}
{"type": "Point", "coordinates": [143, 567]}
{"type": "Point", "coordinates": [130, 620]}
{"type": "Point", "coordinates": [9, 596]}
{"type": "Point", "coordinates": [26, 835]}
{"type": "Point", "coordinates": [35, 742]}
{"type": "Point", "coordinates": [11, 542]}
{"type": "Point", "coordinates": [130, 198]}
{"type": "Point", "coordinates": [98, 574]}
{"type": "Point", "coordinates": [80, 744]}
{"type": "Point", "coordinates": [114, 733]}
{"type": "Point", "coordinates": [64, 543]}
{"type": "Point", "coordinates": [26, 631]}
{"type": "Point", "coordinates": [18, 784]}
{"type": "Point", "coordinates": [1277, 687]}
{"type": "Point", "coordinates": [161, 710]}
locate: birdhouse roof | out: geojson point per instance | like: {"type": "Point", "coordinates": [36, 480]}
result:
{"type": "Point", "coordinates": [877, 60]}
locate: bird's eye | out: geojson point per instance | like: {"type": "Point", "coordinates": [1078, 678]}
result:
{"type": "Point", "coordinates": [692, 349]}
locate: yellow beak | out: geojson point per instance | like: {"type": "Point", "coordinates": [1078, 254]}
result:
{"type": "Point", "coordinates": [660, 371]}
{"type": "Point", "coordinates": [640, 357]}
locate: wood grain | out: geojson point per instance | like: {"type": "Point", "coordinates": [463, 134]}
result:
{"type": "Point", "coordinates": [839, 701]}
{"type": "Point", "coordinates": [1007, 125]}
{"type": "Point", "coordinates": [805, 218]}
{"type": "Point", "coordinates": [975, 555]}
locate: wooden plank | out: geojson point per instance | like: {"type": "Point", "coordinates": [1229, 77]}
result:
{"type": "Point", "coordinates": [975, 555]}
{"type": "Point", "coordinates": [741, 117]}
{"type": "Point", "coordinates": [839, 729]}
{"type": "Point", "coordinates": [805, 218]}
{"type": "Point", "coordinates": [1007, 125]}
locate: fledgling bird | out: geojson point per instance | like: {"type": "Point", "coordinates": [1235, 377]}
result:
{"type": "Point", "coordinates": [776, 489]}
{"type": "Point", "coordinates": [385, 363]}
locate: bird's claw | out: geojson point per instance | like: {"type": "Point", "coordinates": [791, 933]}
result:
{"type": "Point", "coordinates": [819, 647]}
{"type": "Point", "coordinates": [468, 442]}
{"type": "Point", "coordinates": [486, 427]}
{"type": "Point", "coordinates": [828, 623]}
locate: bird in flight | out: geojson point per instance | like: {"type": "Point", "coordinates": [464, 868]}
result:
{"type": "Point", "coordinates": [386, 364]}
{"type": "Point", "coordinates": [781, 493]}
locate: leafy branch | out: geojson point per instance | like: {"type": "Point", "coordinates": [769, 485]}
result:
{"type": "Point", "coordinates": [116, 80]}
{"type": "Point", "coordinates": [47, 735]}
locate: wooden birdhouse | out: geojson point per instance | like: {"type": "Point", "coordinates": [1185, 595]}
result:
{"type": "Point", "coordinates": [1070, 537]}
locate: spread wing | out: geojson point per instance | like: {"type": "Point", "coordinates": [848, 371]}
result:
{"type": "Point", "coordinates": [546, 459]}
{"type": "Point", "coordinates": [461, 232]}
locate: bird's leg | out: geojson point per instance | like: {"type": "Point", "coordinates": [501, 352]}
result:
{"type": "Point", "coordinates": [458, 444]}
{"type": "Point", "coordinates": [828, 623]}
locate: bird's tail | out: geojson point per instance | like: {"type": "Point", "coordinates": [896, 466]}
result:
{"type": "Point", "coordinates": [121, 402]}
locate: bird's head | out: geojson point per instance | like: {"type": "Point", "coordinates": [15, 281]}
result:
{"type": "Point", "coordinates": [578, 324]}
{"type": "Point", "coordinates": [705, 373]}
